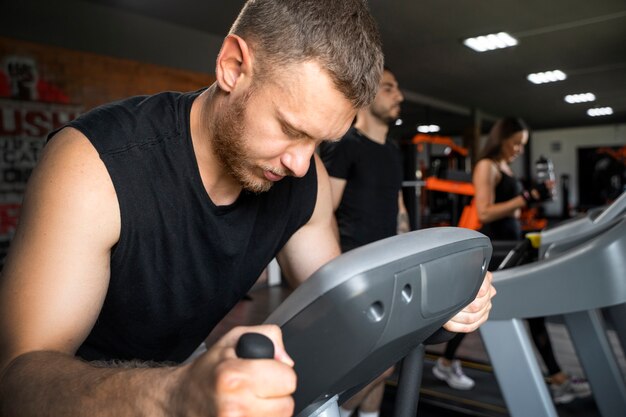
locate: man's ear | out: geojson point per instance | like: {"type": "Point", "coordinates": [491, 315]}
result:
{"type": "Point", "coordinates": [233, 63]}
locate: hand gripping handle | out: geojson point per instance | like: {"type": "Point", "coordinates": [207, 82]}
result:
{"type": "Point", "coordinates": [254, 346]}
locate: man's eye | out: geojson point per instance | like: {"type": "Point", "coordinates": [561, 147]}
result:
{"type": "Point", "coordinates": [292, 133]}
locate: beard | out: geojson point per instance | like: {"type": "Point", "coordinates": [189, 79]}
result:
{"type": "Point", "coordinates": [231, 149]}
{"type": "Point", "coordinates": [386, 114]}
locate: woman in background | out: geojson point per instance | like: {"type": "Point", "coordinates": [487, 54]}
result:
{"type": "Point", "coordinates": [500, 199]}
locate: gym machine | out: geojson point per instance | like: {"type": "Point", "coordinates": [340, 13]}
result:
{"type": "Point", "coordinates": [371, 307]}
{"type": "Point", "coordinates": [580, 270]}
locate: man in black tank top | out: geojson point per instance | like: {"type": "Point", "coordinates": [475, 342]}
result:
{"type": "Point", "coordinates": [147, 219]}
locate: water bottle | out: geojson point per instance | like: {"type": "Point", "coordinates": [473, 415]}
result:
{"type": "Point", "coordinates": [545, 172]}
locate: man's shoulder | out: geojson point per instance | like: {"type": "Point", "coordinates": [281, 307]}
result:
{"type": "Point", "coordinates": [350, 139]}
{"type": "Point", "coordinates": [353, 137]}
{"type": "Point", "coordinates": [156, 105]}
{"type": "Point", "coordinates": [131, 121]}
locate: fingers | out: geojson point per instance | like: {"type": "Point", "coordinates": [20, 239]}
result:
{"type": "Point", "coordinates": [486, 286]}
{"type": "Point", "coordinates": [221, 384]}
{"type": "Point", "coordinates": [254, 387]}
{"type": "Point", "coordinates": [272, 331]}
{"type": "Point", "coordinates": [465, 322]}
{"type": "Point", "coordinates": [535, 194]}
{"type": "Point", "coordinates": [265, 378]}
{"type": "Point", "coordinates": [477, 312]}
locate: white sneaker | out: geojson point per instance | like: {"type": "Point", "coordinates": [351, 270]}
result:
{"type": "Point", "coordinates": [570, 389]}
{"type": "Point", "coordinates": [453, 375]}
{"type": "Point", "coordinates": [561, 394]}
{"type": "Point", "coordinates": [580, 387]}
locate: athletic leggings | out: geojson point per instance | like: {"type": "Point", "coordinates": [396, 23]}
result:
{"type": "Point", "coordinates": [452, 345]}
{"type": "Point", "coordinates": [540, 336]}
{"type": "Point", "coordinates": [537, 325]}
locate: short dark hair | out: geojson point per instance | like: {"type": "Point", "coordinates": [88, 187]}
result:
{"type": "Point", "coordinates": [501, 131]}
{"type": "Point", "coordinates": [341, 35]}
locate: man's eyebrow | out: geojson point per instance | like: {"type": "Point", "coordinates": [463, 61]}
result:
{"type": "Point", "coordinates": [291, 128]}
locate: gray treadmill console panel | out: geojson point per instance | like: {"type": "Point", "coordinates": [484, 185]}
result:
{"type": "Point", "coordinates": [368, 308]}
{"type": "Point", "coordinates": [585, 277]}
{"type": "Point", "coordinates": [614, 210]}
{"type": "Point", "coordinates": [577, 229]}
{"type": "Point", "coordinates": [577, 239]}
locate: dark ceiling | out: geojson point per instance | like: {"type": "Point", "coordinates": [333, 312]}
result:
{"type": "Point", "coordinates": [445, 82]}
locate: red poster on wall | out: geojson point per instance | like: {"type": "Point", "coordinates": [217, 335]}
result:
{"type": "Point", "coordinates": [29, 110]}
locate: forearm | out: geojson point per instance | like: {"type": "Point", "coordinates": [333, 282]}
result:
{"type": "Point", "coordinates": [404, 225]}
{"type": "Point", "coordinates": [499, 211]}
{"type": "Point", "coordinates": [51, 383]}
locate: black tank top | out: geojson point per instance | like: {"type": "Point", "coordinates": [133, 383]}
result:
{"type": "Point", "coordinates": [507, 228]}
{"type": "Point", "coordinates": [181, 262]}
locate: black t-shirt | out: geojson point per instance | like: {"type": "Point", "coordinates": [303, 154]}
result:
{"type": "Point", "coordinates": [373, 172]}
{"type": "Point", "coordinates": [181, 262]}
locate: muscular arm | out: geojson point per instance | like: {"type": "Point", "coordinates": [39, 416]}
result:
{"type": "Point", "coordinates": [484, 179]}
{"type": "Point", "coordinates": [51, 292]}
{"type": "Point", "coordinates": [337, 186]}
{"type": "Point", "coordinates": [62, 385]}
{"type": "Point", "coordinates": [316, 242]}
{"type": "Point", "coordinates": [57, 271]}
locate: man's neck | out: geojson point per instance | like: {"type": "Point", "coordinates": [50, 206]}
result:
{"type": "Point", "coordinates": [218, 183]}
{"type": "Point", "coordinates": [372, 127]}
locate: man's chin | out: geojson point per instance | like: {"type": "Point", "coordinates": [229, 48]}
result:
{"type": "Point", "coordinates": [391, 118]}
{"type": "Point", "coordinates": [257, 187]}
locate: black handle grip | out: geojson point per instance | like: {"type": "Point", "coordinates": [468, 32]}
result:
{"type": "Point", "coordinates": [255, 346]}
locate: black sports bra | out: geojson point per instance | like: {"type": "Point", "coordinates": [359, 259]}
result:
{"type": "Point", "coordinates": [509, 187]}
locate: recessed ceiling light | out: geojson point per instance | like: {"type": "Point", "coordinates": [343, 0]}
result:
{"type": "Point", "coordinates": [600, 111]}
{"type": "Point", "coordinates": [399, 122]}
{"type": "Point", "coordinates": [490, 42]}
{"type": "Point", "coordinates": [579, 98]}
{"type": "Point", "coordinates": [546, 77]}
{"type": "Point", "coordinates": [428, 128]}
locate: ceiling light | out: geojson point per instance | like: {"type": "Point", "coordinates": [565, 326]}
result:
{"type": "Point", "coordinates": [546, 77]}
{"type": "Point", "coordinates": [600, 111]}
{"type": "Point", "coordinates": [490, 42]}
{"type": "Point", "coordinates": [428, 128]}
{"type": "Point", "coordinates": [580, 98]}
{"type": "Point", "coordinates": [399, 122]}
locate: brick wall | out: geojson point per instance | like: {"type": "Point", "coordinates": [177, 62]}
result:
{"type": "Point", "coordinates": [89, 79]}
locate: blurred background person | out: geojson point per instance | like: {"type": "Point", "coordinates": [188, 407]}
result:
{"type": "Point", "coordinates": [500, 198]}
{"type": "Point", "coordinates": [366, 184]}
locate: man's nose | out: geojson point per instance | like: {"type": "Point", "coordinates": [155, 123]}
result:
{"type": "Point", "coordinates": [400, 96]}
{"type": "Point", "coordinates": [298, 158]}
